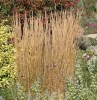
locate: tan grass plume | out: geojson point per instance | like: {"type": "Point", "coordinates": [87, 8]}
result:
{"type": "Point", "coordinates": [47, 49]}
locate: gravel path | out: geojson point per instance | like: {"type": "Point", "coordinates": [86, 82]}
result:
{"type": "Point", "coordinates": [92, 36]}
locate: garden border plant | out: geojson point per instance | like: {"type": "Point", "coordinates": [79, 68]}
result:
{"type": "Point", "coordinates": [47, 49]}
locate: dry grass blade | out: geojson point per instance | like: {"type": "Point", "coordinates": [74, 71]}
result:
{"type": "Point", "coordinates": [47, 49]}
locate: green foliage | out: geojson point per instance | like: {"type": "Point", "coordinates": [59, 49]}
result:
{"type": "Point", "coordinates": [93, 41]}
{"type": "Point", "coordinates": [85, 85]}
{"type": "Point", "coordinates": [84, 42]}
{"type": "Point", "coordinates": [89, 6]}
{"type": "Point", "coordinates": [89, 15]}
{"type": "Point", "coordinates": [7, 65]}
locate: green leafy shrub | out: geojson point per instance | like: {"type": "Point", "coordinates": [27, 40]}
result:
{"type": "Point", "coordinates": [7, 64]}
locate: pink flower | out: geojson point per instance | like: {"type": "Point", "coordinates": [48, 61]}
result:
{"type": "Point", "coordinates": [92, 25]}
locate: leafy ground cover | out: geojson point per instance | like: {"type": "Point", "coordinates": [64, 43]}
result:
{"type": "Point", "coordinates": [85, 86]}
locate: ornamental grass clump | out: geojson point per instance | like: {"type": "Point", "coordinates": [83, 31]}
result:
{"type": "Point", "coordinates": [47, 49]}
